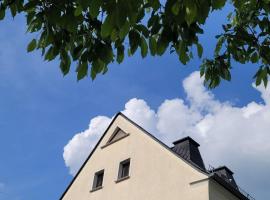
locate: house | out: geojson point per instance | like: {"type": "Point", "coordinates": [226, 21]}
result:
{"type": "Point", "coordinates": [128, 163]}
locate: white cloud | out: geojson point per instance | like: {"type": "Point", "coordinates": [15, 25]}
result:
{"type": "Point", "coordinates": [79, 147]}
{"type": "Point", "coordinates": [228, 134]}
{"type": "Point", "coordinates": [175, 120]}
{"type": "Point", "coordinates": [141, 113]}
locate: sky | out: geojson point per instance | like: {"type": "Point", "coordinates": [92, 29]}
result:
{"type": "Point", "coordinates": [46, 119]}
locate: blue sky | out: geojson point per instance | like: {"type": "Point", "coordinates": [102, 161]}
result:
{"type": "Point", "coordinates": [40, 110]}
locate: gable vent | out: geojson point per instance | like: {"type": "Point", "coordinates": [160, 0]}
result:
{"type": "Point", "coordinates": [117, 135]}
{"type": "Point", "coordinates": [188, 149]}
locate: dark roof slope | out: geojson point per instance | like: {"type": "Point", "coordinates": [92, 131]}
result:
{"type": "Point", "coordinates": [188, 149]}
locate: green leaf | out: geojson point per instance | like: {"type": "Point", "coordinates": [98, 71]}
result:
{"type": "Point", "coordinates": [203, 11]}
{"type": "Point", "coordinates": [97, 67]}
{"type": "Point", "coordinates": [265, 76]}
{"type": "Point", "coordinates": [144, 47]}
{"type": "Point", "coordinates": [219, 45]}
{"type": "Point", "coordinates": [105, 53]}
{"type": "Point", "coordinates": [78, 11]}
{"type": "Point", "coordinates": [2, 13]}
{"type": "Point", "coordinates": [30, 6]}
{"type": "Point", "coordinates": [191, 12]}
{"type": "Point", "coordinates": [254, 57]}
{"type": "Point", "coordinates": [64, 68]}
{"type": "Point", "coordinates": [199, 50]}
{"type": "Point", "coordinates": [161, 47]}
{"type": "Point", "coordinates": [183, 56]}
{"type": "Point", "coordinates": [82, 70]}
{"type": "Point", "coordinates": [76, 53]}
{"type": "Point", "coordinates": [94, 7]}
{"type": "Point", "coordinates": [176, 8]}
{"type": "Point", "coordinates": [258, 81]}
{"type": "Point", "coordinates": [141, 28]}
{"type": "Point", "coordinates": [120, 54]}
{"type": "Point", "coordinates": [124, 30]}
{"type": "Point", "coordinates": [261, 75]}
{"type": "Point", "coordinates": [84, 3]}
{"type": "Point", "coordinates": [265, 81]}
{"type": "Point", "coordinates": [114, 35]}
{"type": "Point", "coordinates": [107, 26]}
{"type": "Point", "coordinates": [134, 41]}
{"type": "Point", "coordinates": [32, 45]}
{"type": "Point", "coordinates": [226, 74]}
{"type": "Point", "coordinates": [65, 62]}
{"type": "Point", "coordinates": [218, 4]}
{"type": "Point", "coordinates": [202, 69]}
{"type": "Point", "coordinates": [120, 16]}
{"type": "Point", "coordinates": [13, 9]}
{"type": "Point", "coordinates": [50, 55]}
{"type": "Point", "coordinates": [153, 46]}
{"type": "Point", "coordinates": [155, 4]}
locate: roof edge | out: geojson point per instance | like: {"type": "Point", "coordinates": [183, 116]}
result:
{"type": "Point", "coordinates": [193, 165]}
{"type": "Point", "coordinates": [223, 167]}
{"type": "Point", "coordinates": [186, 138]}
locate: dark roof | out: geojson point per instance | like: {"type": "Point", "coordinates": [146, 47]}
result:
{"type": "Point", "coordinates": [188, 149]}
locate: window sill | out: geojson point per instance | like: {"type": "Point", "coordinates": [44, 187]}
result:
{"type": "Point", "coordinates": [95, 189]}
{"type": "Point", "coordinates": [122, 179]}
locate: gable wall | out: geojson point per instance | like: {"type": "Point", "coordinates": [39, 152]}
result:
{"type": "Point", "coordinates": [155, 173]}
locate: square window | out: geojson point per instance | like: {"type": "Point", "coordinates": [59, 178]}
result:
{"type": "Point", "coordinates": [124, 169]}
{"type": "Point", "coordinates": [98, 180]}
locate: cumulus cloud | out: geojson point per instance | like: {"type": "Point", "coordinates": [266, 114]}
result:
{"type": "Point", "coordinates": [228, 134]}
{"type": "Point", "coordinates": [78, 148]}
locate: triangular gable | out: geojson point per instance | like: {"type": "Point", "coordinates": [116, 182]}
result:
{"type": "Point", "coordinates": [116, 136]}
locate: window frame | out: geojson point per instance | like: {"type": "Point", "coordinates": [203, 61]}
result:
{"type": "Point", "coordinates": [95, 181]}
{"type": "Point", "coordinates": [121, 176]}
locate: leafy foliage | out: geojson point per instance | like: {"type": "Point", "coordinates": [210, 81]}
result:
{"type": "Point", "coordinates": [245, 39]}
{"type": "Point", "coordinates": [95, 33]}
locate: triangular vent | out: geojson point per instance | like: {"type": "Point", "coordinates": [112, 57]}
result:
{"type": "Point", "coordinates": [117, 135]}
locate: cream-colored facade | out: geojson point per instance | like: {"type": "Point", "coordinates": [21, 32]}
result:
{"type": "Point", "coordinates": [156, 173]}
